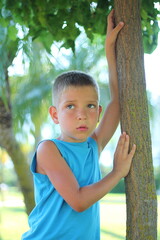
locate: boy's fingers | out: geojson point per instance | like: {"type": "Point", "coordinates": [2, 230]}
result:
{"type": "Point", "coordinates": [132, 152]}
{"type": "Point", "coordinates": [110, 21]}
{"type": "Point", "coordinates": [126, 143]}
{"type": "Point", "coordinates": [111, 14]}
{"type": "Point", "coordinates": [118, 28]}
{"type": "Point", "coordinates": [113, 32]}
{"type": "Point", "coordinates": [126, 147]}
{"type": "Point", "coordinates": [121, 141]}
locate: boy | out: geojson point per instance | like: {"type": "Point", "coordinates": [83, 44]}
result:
{"type": "Point", "coordinates": [66, 171]}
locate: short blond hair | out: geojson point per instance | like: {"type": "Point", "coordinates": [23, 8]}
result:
{"type": "Point", "coordinates": [72, 78]}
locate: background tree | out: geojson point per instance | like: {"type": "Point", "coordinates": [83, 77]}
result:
{"type": "Point", "coordinates": [8, 49]}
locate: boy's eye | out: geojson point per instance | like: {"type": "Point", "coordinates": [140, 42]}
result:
{"type": "Point", "coordinates": [91, 106]}
{"type": "Point", "coordinates": [70, 106]}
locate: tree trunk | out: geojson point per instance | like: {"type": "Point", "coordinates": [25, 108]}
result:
{"type": "Point", "coordinates": [140, 186]}
{"type": "Point", "coordinates": [9, 143]}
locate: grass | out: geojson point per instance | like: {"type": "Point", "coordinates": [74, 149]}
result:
{"type": "Point", "coordinates": [113, 217]}
{"type": "Point", "coordinates": [13, 219]}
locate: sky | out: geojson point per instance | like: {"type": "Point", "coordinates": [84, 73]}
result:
{"type": "Point", "coordinates": [152, 70]}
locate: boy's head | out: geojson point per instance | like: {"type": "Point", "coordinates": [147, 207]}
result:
{"type": "Point", "coordinates": [72, 79]}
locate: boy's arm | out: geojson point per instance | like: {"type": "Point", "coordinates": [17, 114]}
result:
{"type": "Point", "coordinates": [110, 120]}
{"type": "Point", "coordinates": [51, 163]}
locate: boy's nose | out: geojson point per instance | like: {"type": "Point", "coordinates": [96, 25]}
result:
{"type": "Point", "coordinates": [81, 115]}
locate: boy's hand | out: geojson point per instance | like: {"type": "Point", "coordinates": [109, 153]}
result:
{"type": "Point", "coordinates": [112, 31]}
{"type": "Point", "coordinates": [122, 156]}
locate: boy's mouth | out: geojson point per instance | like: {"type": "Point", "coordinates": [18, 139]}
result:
{"type": "Point", "coordinates": [82, 128]}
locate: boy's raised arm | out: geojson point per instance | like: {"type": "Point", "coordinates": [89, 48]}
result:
{"type": "Point", "coordinates": [111, 116]}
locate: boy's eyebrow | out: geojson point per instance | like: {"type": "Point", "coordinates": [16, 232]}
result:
{"type": "Point", "coordinates": [70, 101]}
{"type": "Point", "coordinates": [76, 101]}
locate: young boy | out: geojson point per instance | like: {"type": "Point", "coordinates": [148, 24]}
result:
{"type": "Point", "coordinates": [66, 170]}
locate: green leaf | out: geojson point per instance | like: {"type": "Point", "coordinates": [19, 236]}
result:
{"type": "Point", "coordinates": [47, 40]}
{"type": "Point", "coordinates": [69, 44]}
{"type": "Point", "coordinates": [4, 22]}
{"type": "Point", "coordinates": [12, 33]}
{"type": "Point", "coordinates": [144, 14]}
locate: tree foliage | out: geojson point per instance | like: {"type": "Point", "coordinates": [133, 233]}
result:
{"type": "Point", "coordinates": [60, 20]}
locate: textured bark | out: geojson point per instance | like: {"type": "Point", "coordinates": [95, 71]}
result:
{"type": "Point", "coordinates": [9, 143]}
{"type": "Point", "coordinates": [140, 187]}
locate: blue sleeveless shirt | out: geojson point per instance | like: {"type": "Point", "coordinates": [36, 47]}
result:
{"type": "Point", "coordinates": [52, 218]}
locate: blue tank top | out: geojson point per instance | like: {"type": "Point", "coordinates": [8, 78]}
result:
{"type": "Point", "coordinates": [52, 218]}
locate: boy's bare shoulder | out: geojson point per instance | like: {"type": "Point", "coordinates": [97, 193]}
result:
{"type": "Point", "coordinates": [47, 153]}
{"type": "Point", "coordinates": [46, 145]}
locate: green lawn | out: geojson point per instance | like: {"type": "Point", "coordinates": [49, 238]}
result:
{"type": "Point", "coordinates": [13, 220]}
{"type": "Point", "coordinates": [113, 217]}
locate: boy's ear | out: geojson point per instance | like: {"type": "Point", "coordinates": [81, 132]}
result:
{"type": "Point", "coordinates": [100, 110]}
{"type": "Point", "coordinates": [53, 114]}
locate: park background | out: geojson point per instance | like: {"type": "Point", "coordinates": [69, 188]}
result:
{"type": "Point", "coordinates": [88, 57]}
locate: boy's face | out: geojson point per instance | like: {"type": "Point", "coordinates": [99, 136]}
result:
{"type": "Point", "coordinates": [77, 113]}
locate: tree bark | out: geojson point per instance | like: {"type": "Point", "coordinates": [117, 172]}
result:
{"type": "Point", "coordinates": [140, 186]}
